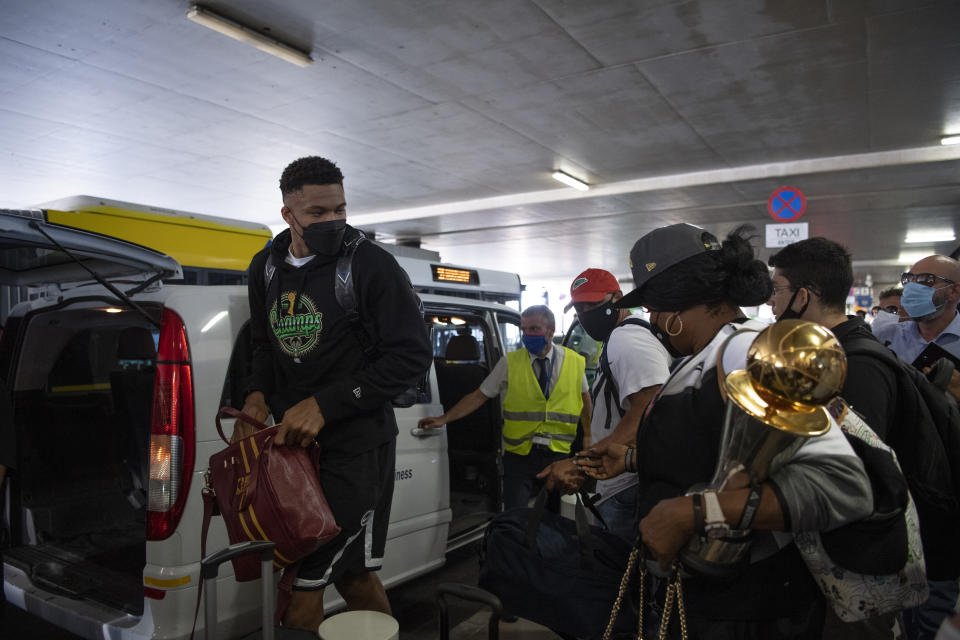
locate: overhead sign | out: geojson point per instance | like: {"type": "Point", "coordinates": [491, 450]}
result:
{"type": "Point", "coordinates": [780, 235]}
{"type": "Point", "coordinates": [786, 204]}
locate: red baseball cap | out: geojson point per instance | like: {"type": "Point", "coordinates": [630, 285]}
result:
{"type": "Point", "coordinates": [592, 285]}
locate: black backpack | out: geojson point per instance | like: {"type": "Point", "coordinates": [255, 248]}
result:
{"type": "Point", "coordinates": [927, 444]}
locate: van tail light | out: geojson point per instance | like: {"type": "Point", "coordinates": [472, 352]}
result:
{"type": "Point", "coordinates": [172, 432]}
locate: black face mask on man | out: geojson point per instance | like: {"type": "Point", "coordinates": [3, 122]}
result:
{"type": "Point", "coordinates": [789, 313]}
{"type": "Point", "coordinates": [600, 322]}
{"type": "Point", "coordinates": [664, 338]}
{"type": "Point", "coordinates": [324, 238]}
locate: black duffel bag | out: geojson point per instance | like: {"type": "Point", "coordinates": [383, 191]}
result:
{"type": "Point", "coordinates": [562, 574]}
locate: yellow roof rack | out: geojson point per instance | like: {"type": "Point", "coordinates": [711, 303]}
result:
{"type": "Point", "coordinates": [192, 239]}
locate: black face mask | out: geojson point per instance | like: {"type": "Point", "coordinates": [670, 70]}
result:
{"type": "Point", "coordinates": [599, 323]}
{"type": "Point", "coordinates": [789, 313]}
{"type": "Point", "coordinates": [324, 238]}
{"type": "Point", "coordinates": [664, 339]}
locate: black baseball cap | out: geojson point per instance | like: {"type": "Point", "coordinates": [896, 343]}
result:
{"type": "Point", "coordinates": [659, 250]}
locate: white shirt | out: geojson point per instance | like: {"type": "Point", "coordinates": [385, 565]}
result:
{"type": "Point", "coordinates": [295, 261]}
{"type": "Point", "coordinates": [496, 383]}
{"type": "Point", "coordinates": [637, 361]}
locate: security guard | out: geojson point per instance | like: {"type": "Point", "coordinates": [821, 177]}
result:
{"type": "Point", "coordinates": [541, 407]}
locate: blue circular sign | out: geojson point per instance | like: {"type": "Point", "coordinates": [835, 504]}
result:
{"type": "Point", "coordinates": [786, 204]}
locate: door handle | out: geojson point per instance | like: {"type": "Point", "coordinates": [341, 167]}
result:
{"type": "Point", "coordinates": [417, 432]}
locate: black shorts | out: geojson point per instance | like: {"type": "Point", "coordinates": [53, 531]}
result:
{"type": "Point", "coordinates": [359, 489]}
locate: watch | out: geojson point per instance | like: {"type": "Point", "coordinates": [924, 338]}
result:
{"type": "Point", "coordinates": [714, 524]}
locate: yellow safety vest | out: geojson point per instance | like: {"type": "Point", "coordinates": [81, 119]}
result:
{"type": "Point", "coordinates": [527, 412]}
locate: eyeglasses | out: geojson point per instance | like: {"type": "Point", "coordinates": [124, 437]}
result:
{"type": "Point", "coordinates": [891, 308]}
{"type": "Point", "coordinates": [777, 289]}
{"type": "Point", "coordinates": [926, 279]}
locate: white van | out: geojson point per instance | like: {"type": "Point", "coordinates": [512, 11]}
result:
{"type": "Point", "coordinates": [114, 403]}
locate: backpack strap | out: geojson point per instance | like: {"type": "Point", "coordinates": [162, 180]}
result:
{"type": "Point", "coordinates": [269, 271]}
{"type": "Point", "coordinates": [607, 384]}
{"type": "Point", "coordinates": [346, 293]}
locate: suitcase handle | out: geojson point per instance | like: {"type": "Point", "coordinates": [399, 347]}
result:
{"type": "Point", "coordinates": [210, 567]}
{"type": "Point", "coordinates": [472, 594]}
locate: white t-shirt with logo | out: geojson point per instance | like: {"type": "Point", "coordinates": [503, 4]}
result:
{"type": "Point", "coordinates": [637, 361]}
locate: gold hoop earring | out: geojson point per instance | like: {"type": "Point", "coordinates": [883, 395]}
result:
{"type": "Point", "coordinates": [667, 328]}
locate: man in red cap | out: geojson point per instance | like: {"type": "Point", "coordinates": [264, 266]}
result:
{"type": "Point", "coordinates": [633, 365]}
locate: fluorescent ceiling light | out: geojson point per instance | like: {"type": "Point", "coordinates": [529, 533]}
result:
{"type": "Point", "coordinates": [214, 320]}
{"type": "Point", "coordinates": [930, 236]}
{"type": "Point", "coordinates": [907, 258]}
{"type": "Point", "coordinates": [239, 32]}
{"type": "Point", "coordinates": [950, 140]}
{"type": "Point", "coordinates": [570, 181]}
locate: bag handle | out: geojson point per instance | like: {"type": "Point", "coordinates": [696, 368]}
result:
{"type": "Point", "coordinates": [239, 415]}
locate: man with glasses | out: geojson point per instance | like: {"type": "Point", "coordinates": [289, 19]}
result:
{"type": "Point", "coordinates": [931, 291]}
{"type": "Point", "coordinates": [889, 300]}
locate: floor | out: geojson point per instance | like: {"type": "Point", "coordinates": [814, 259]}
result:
{"type": "Point", "coordinates": [414, 607]}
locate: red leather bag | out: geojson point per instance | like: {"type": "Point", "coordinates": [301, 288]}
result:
{"type": "Point", "coordinates": [268, 492]}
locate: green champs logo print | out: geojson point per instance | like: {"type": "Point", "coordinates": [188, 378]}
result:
{"type": "Point", "coordinates": [297, 330]}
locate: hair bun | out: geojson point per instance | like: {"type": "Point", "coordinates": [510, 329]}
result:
{"type": "Point", "coordinates": [748, 279]}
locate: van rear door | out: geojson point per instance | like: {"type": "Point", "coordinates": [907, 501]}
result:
{"type": "Point", "coordinates": [81, 369]}
{"type": "Point", "coordinates": [30, 255]}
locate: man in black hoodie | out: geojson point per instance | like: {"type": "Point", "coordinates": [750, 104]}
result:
{"type": "Point", "coordinates": [330, 377]}
{"type": "Point", "coordinates": [811, 281]}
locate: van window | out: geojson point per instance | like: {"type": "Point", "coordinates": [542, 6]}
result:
{"type": "Point", "coordinates": [509, 332]}
{"type": "Point", "coordinates": [578, 340]}
{"type": "Point", "coordinates": [239, 370]}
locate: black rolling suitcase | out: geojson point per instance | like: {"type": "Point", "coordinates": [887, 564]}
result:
{"type": "Point", "coordinates": [210, 568]}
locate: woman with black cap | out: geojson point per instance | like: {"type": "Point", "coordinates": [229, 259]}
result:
{"type": "Point", "coordinates": [693, 286]}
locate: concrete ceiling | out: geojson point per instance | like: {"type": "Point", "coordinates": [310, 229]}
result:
{"type": "Point", "coordinates": [448, 116]}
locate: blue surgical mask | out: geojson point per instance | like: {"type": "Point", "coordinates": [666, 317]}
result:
{"type": "Point", "coordinates": [917, 300]}
{"type": "Point", "coordinates": [534, 344]}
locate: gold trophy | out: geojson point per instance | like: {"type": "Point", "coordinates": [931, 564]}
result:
{"type": "Point", "coordinates": [794, 368]}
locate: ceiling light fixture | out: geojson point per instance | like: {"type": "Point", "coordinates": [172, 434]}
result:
{"type": "Point", "coordinates": [237, 31]}
{"type": "Point", "coordinates": [570, 181]}
{"type": "Point", "coordinates": [950, 140]}
{"type": "Point", "coordinates": [930, 236]}
{"type": "Point", "coordinates": [907, 258]}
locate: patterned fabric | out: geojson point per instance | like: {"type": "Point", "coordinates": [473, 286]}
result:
{"type": "Point", "coordinates": [856, 596]}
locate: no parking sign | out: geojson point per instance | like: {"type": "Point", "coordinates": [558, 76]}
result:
{"type": "Point", "coordinates": [786, 204]}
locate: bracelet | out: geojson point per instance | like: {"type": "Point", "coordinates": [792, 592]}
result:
{"type": "Point", "coordinates": [699, 523]}
{"type": "Point", "coordinates": [629, 464]}
{"type": "Point", "coordinates": [750, 506]}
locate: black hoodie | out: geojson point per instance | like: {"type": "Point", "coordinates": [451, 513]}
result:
{"type": "Point", "coordinates": [304, 346]}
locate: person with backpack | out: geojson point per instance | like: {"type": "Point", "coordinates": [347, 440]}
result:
{"type": "Point", "coordinates": [327, 361]}
{"type": "Point", "coordinates": [811, 280]}
{"type": "Point", "coordinates": [633, 365]}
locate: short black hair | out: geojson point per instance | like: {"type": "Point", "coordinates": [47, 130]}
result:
{"type": "Point", "coordinates": [890, 292]}
{"type": "Point", "coordinates": [820, 265]}
{"type": "Point", "coordinates": [731, 275]}
{"type": "Point", "coordinates": [309, 170]}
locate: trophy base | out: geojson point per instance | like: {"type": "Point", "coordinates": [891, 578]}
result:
{"type": "Point", "coordinates": [717, 558]}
